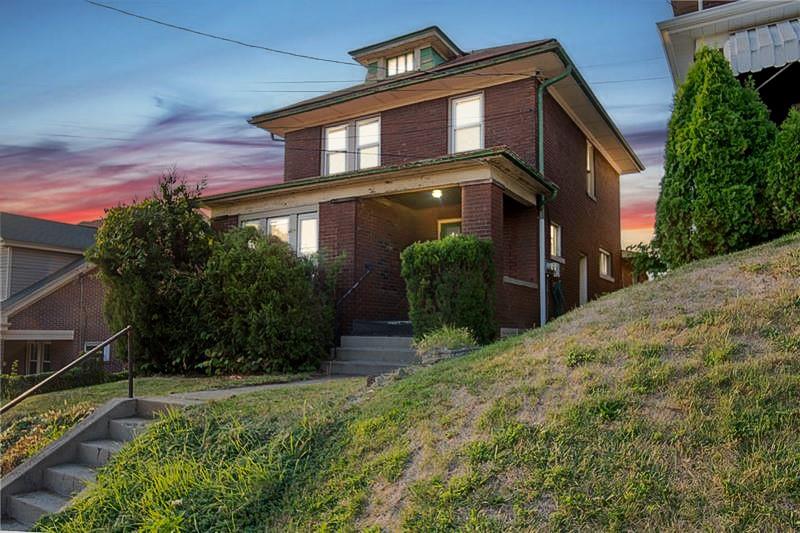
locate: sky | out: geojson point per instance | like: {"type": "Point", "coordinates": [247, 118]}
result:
{"type": "Point", "coordinates": [96, 105]}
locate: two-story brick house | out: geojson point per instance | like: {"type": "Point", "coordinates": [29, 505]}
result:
{"type": "Point", "coordinates": [51, 301]}
{"type": "Point", "coordinates": [506, 143]}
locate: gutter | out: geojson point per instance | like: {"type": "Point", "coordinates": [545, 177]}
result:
{"type": "Point", "coordinates": [542, 199]}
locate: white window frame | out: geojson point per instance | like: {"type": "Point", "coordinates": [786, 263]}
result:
{"type": "Point", "coordinates": [35, 351]}
{"type": "Point", "coordinates": [351, 152]}
{"type": "Point", "coordinates": [306, 216]}
{"type": "Point", "coordinates": [326, 152]}
{"type": "Point", "coordinates": [452, 121]}
{"type": "Point", "coordinates": [359, 146]}
{"type": "Point", "coordinates": [396, 59]}
{"type": "Point", "coordinates": [558, 253]}
{"type": "Point", "coordinates": [591, 175]}
{"type": "Point", "coordinates": [88, 345]}
{"type": "Point", "coordinates": [295, 215]}
{"type": "Point", "coordinates": [609, 275]}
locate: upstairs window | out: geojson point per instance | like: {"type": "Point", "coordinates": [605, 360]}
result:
{"type": "Point", "coordinates": [400, 64]}
{"type": "Point", "coordinates": [335, 149]}
{"type": "Point", "coordinates": [555, 240]}
{"type": "Point", "coordinates": [590, 180]}
{"type": "Point", "coordinates": [355, 145]}
{"type": "Point", "coordinates": [466, 123]}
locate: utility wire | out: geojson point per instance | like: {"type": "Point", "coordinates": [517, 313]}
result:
{"type": "Point", "coordinates": [220, 38]}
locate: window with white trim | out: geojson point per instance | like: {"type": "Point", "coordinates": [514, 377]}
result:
{"type": "Point", "coordinates": [37, 357]}
{"type": "Point", "coordinates": [368, 143]}
{"type": "Point", "coordinates": [400, 64]}
{"type": "Point", "coordinates": [449, 226]}
{"type": "Point", "coordinates": [555, 240]}
{"type": "Point", "coordinates": [355, 145]}
{"type": "Point", "coordinates": [591, 187]}
{"type": "Point", "coordinates": [605, 264]}
{"type": "Point", "coordinates": [106, 349]}
{"type": "Point", "coordinates": [466, 123]}
{"type": "Point", "coordinates": [299, 230]}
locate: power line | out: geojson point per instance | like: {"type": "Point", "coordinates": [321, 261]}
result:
{"type": "Point", "coordinates": [220, 38]}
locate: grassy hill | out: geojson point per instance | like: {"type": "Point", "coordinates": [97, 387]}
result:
{"type": "Point", "coordinates": [670, 405]}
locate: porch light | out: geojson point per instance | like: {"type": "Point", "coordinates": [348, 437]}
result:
{"type": "Point", "coordinates": [437, 193]}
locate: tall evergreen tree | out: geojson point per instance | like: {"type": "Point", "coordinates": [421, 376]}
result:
{"type": "Point", "coordinates": [783, 175]}
{"type": "Point", "coordinates": [712, 198]}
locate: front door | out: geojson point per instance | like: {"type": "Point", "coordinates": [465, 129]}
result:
{"type": "Point", "coordinates": [583, 273]}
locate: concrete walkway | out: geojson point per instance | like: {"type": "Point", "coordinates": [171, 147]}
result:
{"type": "Point", "coordinates": [222, 394]}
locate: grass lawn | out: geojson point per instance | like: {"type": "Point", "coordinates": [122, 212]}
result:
{"type": "Point", "coordinates": [43, 418]}
{"type": "Point", "coordinates": [671, 405]}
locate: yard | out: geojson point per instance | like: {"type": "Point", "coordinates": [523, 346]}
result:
{"type": "Point", "coordinates": [41, 419]}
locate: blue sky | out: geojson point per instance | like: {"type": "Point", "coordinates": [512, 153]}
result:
{"type": "Point", "coordinates": [96, 104]}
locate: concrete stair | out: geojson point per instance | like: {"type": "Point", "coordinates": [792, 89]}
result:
{"type": "Point", "coordinates": [47, 484]}
{"type": "Point", "coordinates": [376, 351]}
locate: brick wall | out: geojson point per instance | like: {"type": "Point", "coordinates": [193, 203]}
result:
{"type": "Point", "coordinates": [302, 156]}
{"type": "Point", "coordinates": [61, 310]}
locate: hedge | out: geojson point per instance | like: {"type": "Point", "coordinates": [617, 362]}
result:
{"type": "Point", "coordinates": [11, 385]}
{"type": "Point", "coordinates": [450, 282]}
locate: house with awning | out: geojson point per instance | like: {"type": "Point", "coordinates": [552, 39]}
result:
{"type": "Point", "coordinates": [50, 298]}
{"type": "Point", "coordinates": [760, 39]}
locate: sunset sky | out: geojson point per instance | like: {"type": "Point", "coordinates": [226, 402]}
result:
{"type": "Point", "coordinates": [96, 104]}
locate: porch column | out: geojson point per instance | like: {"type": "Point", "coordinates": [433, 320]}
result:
{"type": "Point", "coordinates": [337, 239]}
{"type": "Point", "coordinates": [482, 216]}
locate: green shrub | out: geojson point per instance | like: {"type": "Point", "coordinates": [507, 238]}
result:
{"type": "Point", "coordinates": [149, 254]}
{"type": "Point", "coordinates": [783, 174]}
{"type": "Point", "coordinates": [444, 338]}
{"type": "Point", "coordinates": [712, 198]}
{"type": "Point", "coordinates": [450, 282]}
{"type": "Point", "coordinates": [268, 310]}
{"type": "Point", "coordinates": [11, 385]}
{"type": "Point", "coordinates": [645, 260]}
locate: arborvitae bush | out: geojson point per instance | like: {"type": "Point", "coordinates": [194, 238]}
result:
{"type": "Point", "coordinates": [450, 282]}
{"type": "Point", "coordinates": [783, 175]}
{"type": "Point", "coordinates": [712, 194]}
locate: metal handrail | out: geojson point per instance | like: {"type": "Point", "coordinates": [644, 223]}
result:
{"type": "Point", "coordinates": [127, 329]}
{"type": "Point", "coordinates": [353, 288]}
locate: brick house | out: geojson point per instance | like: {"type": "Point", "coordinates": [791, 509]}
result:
{"type": "Point", "coordinates": [506, 143]}
{"type": "Point", "coordinates": [50, 298]}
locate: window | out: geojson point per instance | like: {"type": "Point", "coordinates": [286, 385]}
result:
{"type": "Point", "coordinates": [590, 181]}
{"type": "Point", "coordinates": [106, 349]}
{"type": "Point", "coordinates": [555, 240]}
{"type": "Point", "coordinates": [299, 230]}
{"type": "Point", "coordinates": [466, 123]}
{"type": "Point", "coordinates": [335, 150]}
{"type": "Point", "coordinates": [352, 146]}
{"type": "Point", "coordinates": [449, 226]}
{"type": "Point", "coordinates": [307, 233]}
{"type": "Point", "coordinates": [37, 357]}
{"type": "Point", "coordinates": [400, 64]}
{"type": "Point", "coordinates": [368, 143]}
{"type": "Point", "coordinates": [605, 265]}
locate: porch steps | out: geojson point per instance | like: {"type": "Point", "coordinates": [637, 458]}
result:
{"type": "Point", "coordinates": [374, 348]}
{"type": "Point", "coordinates": [49, 488]}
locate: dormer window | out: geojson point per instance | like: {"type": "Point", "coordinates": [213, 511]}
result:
{"type": "Point", "coordinates": [400, 64]}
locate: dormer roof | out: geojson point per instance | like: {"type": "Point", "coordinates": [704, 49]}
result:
{"type": "Point", "coordinates": [431, 36]}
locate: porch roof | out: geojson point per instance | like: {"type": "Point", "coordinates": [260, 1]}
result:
{"type": "Point", "coordinates": [500, 159]}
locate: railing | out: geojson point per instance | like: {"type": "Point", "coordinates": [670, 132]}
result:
{"type": "Point", "coordinates": [337, 317]}
{"type": "Point", "coordinates": [126, 330]}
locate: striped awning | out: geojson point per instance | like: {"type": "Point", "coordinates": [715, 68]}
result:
{"type": "Point", "coordinates": [771, 45]}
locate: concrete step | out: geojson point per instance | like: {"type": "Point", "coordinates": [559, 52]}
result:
{"type": "Point", "coordinates": [361, 368]}
{"type": "Point", "coordinates": [386, 328]}
{"type": "Point", "coordinates": [98, 452]}
{"type": "Point", "coordinates": [125, 429]}
{"type": "Point", "coordinates": [26, 508]}
{"type": "Point", "coordinates": [375, 341]}
{"type": "Point", "coordinates": [9, 524]}
{"type": "Point", "coordinates": [376, 355]}
{"type": "Point", "coordinates": [68, 478]}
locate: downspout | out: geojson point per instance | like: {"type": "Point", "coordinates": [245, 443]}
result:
{"type": "Point", "coordinates": [542, 199]}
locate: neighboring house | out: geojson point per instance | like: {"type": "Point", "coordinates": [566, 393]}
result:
{"type": "Point", "coordinates": [439, 141]}
{"type": "Point", "coordinates": [760, 39]}
{"type": "Point", "coordinates": [50, 298]}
